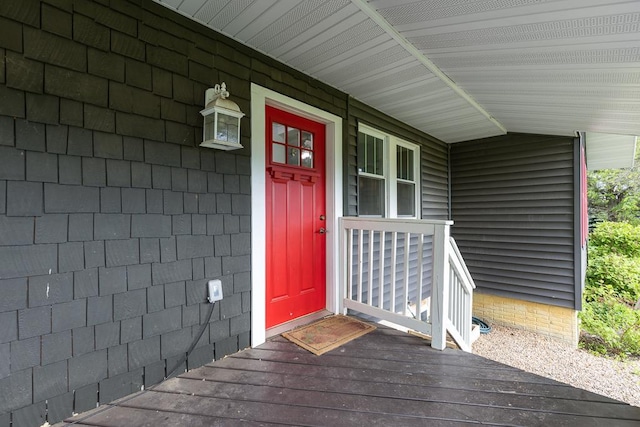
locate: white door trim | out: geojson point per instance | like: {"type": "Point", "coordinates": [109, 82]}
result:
{"type": "Point", "coordinates": [260, 97]}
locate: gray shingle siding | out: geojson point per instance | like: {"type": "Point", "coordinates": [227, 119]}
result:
{"type": "Point", "coordinates": [513, 201]}
{"type": "Point", "coordinates": [99, 170]}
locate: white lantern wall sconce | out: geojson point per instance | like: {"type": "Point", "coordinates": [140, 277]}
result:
{"type": "Point", "coordinates": [222, 116]}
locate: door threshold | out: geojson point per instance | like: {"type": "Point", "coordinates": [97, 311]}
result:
{"type": "Point", "coordinates": [300, 321]}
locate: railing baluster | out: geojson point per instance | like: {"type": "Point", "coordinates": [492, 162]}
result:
{"type": "Point", "coordinates": [381, 281]}
{"type": "Point", "coordinates": [394, 254]}
{"type": "Point", "coordinates": [370, 272]}
{"type": "Point", "coordinates": [405, 277]}
{"type": "Point", "coordinates": [349, 249]}
{"type": "Point", "coordinates": [360, 249]}
{"type": "Point", "coordinates": [419, 274]}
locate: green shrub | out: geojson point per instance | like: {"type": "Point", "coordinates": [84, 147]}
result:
{"type": "Point", "coordinates": [610, 327]}
{"type": "Point", "coordinates": [619, 272]}
{"type": "Point", "coordinates": [617, 237]}
{"type": "Point", "coordinates": [610, 324]}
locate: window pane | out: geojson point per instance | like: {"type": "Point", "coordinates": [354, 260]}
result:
{"type": "Point", "coordinates": [277, 131]}
{"type": "Point", "coordinates": [404, 159]}
{"type": "Point", "coordinates": [370, 154]}
{"type": "Point", "coordinates": [406, 199]}
{"type": "Point", "coordinates": [370, 196]}
{"type": "Point", "coordinates": [278, 153]}
{"type": "Point", "coordinates": [362, 148]}
{"type": "Point", "coordinates": [379, 170]}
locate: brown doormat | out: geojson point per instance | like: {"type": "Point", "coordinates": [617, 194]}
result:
{"type": "Point", "coordinates": [328, 333]}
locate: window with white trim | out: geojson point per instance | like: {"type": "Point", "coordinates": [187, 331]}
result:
{"type": "Point", "coordinates": [388, 171]}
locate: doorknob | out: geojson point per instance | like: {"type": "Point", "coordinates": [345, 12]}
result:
{"type": "Point", "coordinates": [322, 230]}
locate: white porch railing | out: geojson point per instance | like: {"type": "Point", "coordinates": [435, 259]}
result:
{"type": "Point", "coordinates": [407, 272]}
{"type": "Point", "coordinates": [461, 286]}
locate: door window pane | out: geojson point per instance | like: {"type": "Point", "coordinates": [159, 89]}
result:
{"type": "Point", "coordinates": [293, 137]}
{"type": "Point", "coordinates": [278, 153]}
{"type": "Point", "coordinates": [278, 131]}
{"type": "Point", "coordinates": [294, 157]}
{"type": "Point", "coordinates": [307, 140]}
{"type": "Point", "coordinates": [307, 158]}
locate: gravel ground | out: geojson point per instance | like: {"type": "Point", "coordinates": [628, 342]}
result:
{"type": "Point", "coordinates": [543, 356]}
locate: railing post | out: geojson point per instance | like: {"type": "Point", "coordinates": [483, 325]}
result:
{"type": "Point", "coordinates": [344, 265]}
{"type": "Point", "coordinates": [440, 290]}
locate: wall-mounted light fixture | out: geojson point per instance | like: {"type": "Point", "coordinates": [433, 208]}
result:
{"type": "Point", "coordinates": [222, 116]}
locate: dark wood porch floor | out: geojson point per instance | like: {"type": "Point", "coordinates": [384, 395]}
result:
{"type": "Point", "coordinates": [385, 378]}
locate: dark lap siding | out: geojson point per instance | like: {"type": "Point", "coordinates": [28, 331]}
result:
{"type": "Point", "coordinates": [513, 208]}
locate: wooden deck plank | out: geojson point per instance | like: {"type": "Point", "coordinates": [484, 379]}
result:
{"type": "Point", "coordinates": [466, 370]}
{"type": "Point", "coordinates": [125, 416]}
{"type": "Point", "coordinates": [426, 356]}
{"type": "Point", "coordinates": [387, 406]}
{"type": "Point", "coordinates": [273, 412]}
{"type": "Point", "coordinates": [558, 390]}
{"type": "Point", "coordinates": [423, 392]}
{"type": "Point", "coordinates": [384, 378]}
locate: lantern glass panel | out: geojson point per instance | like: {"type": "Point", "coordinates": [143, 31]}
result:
{"type": "Point", "coordinates": [227, 129]}
{"type": "Point", "coordinates": [233, 131]}
{"type": "Point", "coordinates": [209, 129]}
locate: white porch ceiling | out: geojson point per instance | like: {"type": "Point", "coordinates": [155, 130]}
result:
{"type": "Point", "coordinates": [607, 151]}
{"type": "Point", "coordinates": [456, 69]}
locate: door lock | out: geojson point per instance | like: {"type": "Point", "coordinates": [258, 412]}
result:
{"type": "Point", "coordinates": [322, 217]}
{"type": "Point", "coordinates": [322, 230]}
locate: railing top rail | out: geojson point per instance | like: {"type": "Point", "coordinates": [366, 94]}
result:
{"type": "Point", "coordinates": [458, 255]}
{"type": "Point", "coordinates": [358, 219]}
{"type": "Point", "coordinates": [400, 225]}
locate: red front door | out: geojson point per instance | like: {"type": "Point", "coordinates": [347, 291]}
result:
{"type": "Point", "coordinates": [295, 198]}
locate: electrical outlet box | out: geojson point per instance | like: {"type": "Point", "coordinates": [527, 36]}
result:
{"type": "Point", "coordinates": [215, 290]}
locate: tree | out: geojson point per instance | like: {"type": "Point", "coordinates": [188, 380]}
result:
{"type": "Point", "coordinates": [614, 194]}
